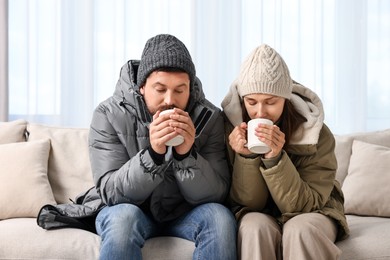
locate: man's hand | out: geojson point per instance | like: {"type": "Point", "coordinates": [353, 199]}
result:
{"type": "Point", "coordinates": [165, 127]}
{"type": "Point", "coordinates": [183, 125]}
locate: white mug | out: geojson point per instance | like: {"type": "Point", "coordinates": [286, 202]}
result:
{"type": "Point", "coordinates": [254, 143]}
{"type": "Point", "coordinates": [177, 140]}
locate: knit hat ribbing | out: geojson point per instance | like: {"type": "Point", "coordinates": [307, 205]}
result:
{"type": "Point", "coordinates": [264, 71]}
{"type": "Point", "coordinates": [164, 50]}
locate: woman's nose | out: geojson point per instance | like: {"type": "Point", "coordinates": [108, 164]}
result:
{"type": "Point", "coordinates": [261, 111]}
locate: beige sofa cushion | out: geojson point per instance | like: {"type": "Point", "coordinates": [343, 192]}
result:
{"type": "Point", "coordinates": [22, 238]}
{"type": "Point", "coordinates": [369, 239]}
{"type": "Point", "coordinates": [24, 186]}
{"type": "Point", "coordinates": [69, 168]}
{"type": "Point", "coordinates": [365, 187]}
{"type": "Point", "coordinates": [343, 148]}
{"type": "Point", "coordinates": [12, 132]}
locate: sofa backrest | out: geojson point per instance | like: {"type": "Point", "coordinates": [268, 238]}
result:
{"type": "Point", "coordinates": [69, 169]}
{"type": "Point", "coordinates": [344, 143]}
{"type": "Point", "coordinates": [13, 132]}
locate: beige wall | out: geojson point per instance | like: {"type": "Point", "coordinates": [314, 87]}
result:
{"type": "Point", "coordinates": [3, 60]}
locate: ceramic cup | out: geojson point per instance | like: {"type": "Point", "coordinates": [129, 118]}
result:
{"type": "Point", "coordinates": [177, 139]}
{"type": "Point", "coordinates": [254, 144]}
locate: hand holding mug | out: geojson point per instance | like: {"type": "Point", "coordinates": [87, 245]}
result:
{"type": "Point", "coordinates": [255, 144]}
{"type": "Point", "coordinates": [178, 128]}
{"type": "Point", "coordinates": [268, 139]}
{"type": "Point", "coordinates": [238, 139]}
{"type": "Point", "coordinates": [176, 140]}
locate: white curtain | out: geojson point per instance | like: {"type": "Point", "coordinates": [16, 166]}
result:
{"type": "Point", "coordinates": [65, 56]}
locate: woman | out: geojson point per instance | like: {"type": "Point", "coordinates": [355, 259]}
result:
{"type": "Point", "coordinates": [287, 201]}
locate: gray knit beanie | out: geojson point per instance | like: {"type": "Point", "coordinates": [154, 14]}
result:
{"type": "Point", "coordinates": [164, 50]}
{"type": "Point", "coordinates": [264, 71]}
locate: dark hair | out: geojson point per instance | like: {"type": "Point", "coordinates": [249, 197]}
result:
{"type": "Point", "coordinates": [170, 69]}
{"type": "Point", "coordinates": [289, 121]}
{"type": "Point", "coordinates": [167, 69]}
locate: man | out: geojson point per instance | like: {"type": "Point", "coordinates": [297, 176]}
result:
{"type": "Point", "coordinates": [149, 188]}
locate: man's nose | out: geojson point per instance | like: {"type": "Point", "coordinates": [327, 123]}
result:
{"type": "Point", "coordinates": [169, 100]}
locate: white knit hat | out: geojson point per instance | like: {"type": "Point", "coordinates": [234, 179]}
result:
{"type": "Point", "coordinates": [264, 71]}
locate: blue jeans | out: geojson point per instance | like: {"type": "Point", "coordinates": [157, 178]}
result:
{"type": "Point", "coordinates": [124, 228]}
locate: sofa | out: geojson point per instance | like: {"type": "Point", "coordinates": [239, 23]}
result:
{"type": "Point", "coordinates": [42, 164]}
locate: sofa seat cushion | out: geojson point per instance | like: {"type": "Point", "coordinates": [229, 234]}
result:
{"type": "Point", "coordinates": [22, 238]}
{"type": "Point", "coordinates": [168, 248]}
{"type": "Point", "coordinates": [369, 238]}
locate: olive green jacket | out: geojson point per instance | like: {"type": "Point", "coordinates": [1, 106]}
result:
{"type": "Point", "coordinates": [301, 180]}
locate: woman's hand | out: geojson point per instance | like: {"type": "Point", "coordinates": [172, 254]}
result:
{"type": "Point", "coordinates": [271, 136]}
{"type": "Point", "coordinates": [268, 134]}
{"type": "Point", "coordinates": [238, 139]}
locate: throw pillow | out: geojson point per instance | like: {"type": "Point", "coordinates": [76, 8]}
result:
{"type": "Point", "coordinates": [343, 154]}
{"type": "Point", "coordinates": [343, 148]}
{"type": "Point", "coordinates": [24, 186]}
{"type": "Point", "coordinates": [69, 166]}
{"type": "Point", "coordinates": [12, 132]}
{"type": "Point", "coordinates": [365, 187]}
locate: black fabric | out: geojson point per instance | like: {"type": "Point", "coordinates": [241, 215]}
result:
{"type": "Point", "coordinates": [50, 217]}
{"type": "Point", "coordinates": [157, 158]}
{"type": "Point", "coordinates": [80, 214]}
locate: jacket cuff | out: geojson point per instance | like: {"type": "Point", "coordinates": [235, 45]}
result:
{"type": "Point", "coordinates": [180, 157]}
{"type": "Point", "coordinates": [248, 159]}
{"type": "Point", "coordinates": [271, 162]}
{"type": "Point", "coordinates": [156, 157]}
